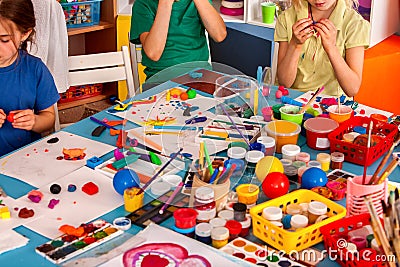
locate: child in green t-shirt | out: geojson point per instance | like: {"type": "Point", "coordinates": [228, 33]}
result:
{"type": "Point", "coordinates": [321, 43]}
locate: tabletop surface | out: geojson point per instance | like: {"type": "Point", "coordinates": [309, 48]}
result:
{"type": "Point", "coordinates": [26, 256]}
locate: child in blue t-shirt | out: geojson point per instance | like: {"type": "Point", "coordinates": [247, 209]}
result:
{"type": "Point", "coordinates": [27, 89]}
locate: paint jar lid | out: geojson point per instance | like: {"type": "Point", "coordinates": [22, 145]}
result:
{"type": "Point", "coordinates": [122, 223]}
{"type": "Point", "coordinates": [349, 137]}
{"type": "Point", "coordinates": [317, 208]}
{"type": "Point", "coordinates": [226, 214]}
{"type": "Point", "coordinates": [204, 193]}
{"type": "Point", "coordinates": [320, 125]}
{"type": "Point", "coordinates": [293, 209]}
{"type": "Point", "coordinates": [160, 188]}
{"type": "Point", "coordinates": [220, 233]}
{"type": "Point", "coordinates": [234, 227]}
{"type": "Point", "coordinates": [290, 150]}
{"type": "Point", "coordinates": [267, 141]}
{"type": "Point", "coordinates": [323, 157]}
{"type": "Point", "coordinates": [299, 221]}
{"type": "Point", "coordinates": [276, 223]}
{"type": "Point", "coordinates": [236, 152]}
{"type": "Point", "coordinates": [337, 157]}
{"type": "Point", "coordinates": [286, 162]}
{"type": "Point", "coordinates": [298, 164]}
{"type": "Point", "coordinates": [314, 163]}
{"type": "Point", "coordinates": [290, 170]}
{"type": "Point", "coordinates": [239, 207]}
{"type": "Point", "coordinates": [257, 118]}
{"type": "Point", "coordinates": [217, 222]}
{"type": "Point", "coordinates": [203, 229]}
{"type": "Point", "coordinates": [303, 156]}
{"type": "Point", "coordinates": [254, 156]}
{"type": "Point", "coordinates": [272, 213]}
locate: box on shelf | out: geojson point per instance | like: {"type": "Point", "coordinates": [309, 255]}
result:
{"type": "Point", "coordinates": [81, 92]}
{"type": "Point", "coordinates": [81, 13]}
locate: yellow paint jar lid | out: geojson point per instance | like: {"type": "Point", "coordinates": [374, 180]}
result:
{"type": "Point", "coordinates": [282, 128]}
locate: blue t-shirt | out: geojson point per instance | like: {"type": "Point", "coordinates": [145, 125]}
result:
{"type": "Point", "coordinates": [25, 84]}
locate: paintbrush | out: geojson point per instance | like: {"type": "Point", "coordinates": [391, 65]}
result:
{"type": "Point", "coordinates": [234, 124]}
{"type": "Point", "coordinates": [389, 169]}
{"type": "Point", "coordinates": [312, 99]}
{"type": "Point", "coordinates": [371, 124]}
{"type": "Point", "coordinates": [394, 221]}
{"type": "Point", "coordinates": [384, 160]}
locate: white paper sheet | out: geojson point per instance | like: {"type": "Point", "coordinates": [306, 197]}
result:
{"type": "Point", "coordinates": [10, 240]}
{"type": "Point", "coordinates": [37, 164]}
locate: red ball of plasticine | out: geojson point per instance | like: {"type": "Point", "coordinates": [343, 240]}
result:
{"type": "Point", "coordinates": [285, 92]}
{"type": "Point", "coordinates": [278, 94]}
{"type": "Point", "coordinates": [184, 96]}
{"type": "Point", "coordinates": [25, 213]}
{"type": "Point", "coordinates": [281, 88]}
{"type": "Point", "coordinates": [90, 188]}
{"type": "Point", "coordinates": [10, 117]}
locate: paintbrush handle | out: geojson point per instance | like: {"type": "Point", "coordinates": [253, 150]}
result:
{"type": "Point", "coordinates": [304, 108]}
{"type": "Point", "coordinates": [234, 124]}
{"type": "Point", "coordinates": [171, 198]}
{"type": "Point", "coordinates": [389, 169]}
{"type": "Point", "coordinates": [383, 162]}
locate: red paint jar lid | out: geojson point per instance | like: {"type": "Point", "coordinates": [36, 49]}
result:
{"type": "Point", "coordinates": [320, 125]}
{"type": "Point", "coordinates": [234, 227]}
{"type": "Point", "coordinates": [185, 218]}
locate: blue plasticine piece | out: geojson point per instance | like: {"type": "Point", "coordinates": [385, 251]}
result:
{"type": "Point", "coordinates": [93, 162]}
{"type": "Point", "coordinates": [195, 75]}
{"type": "Point", "coordinates": [291, 101]}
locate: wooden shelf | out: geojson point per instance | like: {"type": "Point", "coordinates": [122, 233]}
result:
{"type": "Point", "coordinates": [62, 106]}
{"type": "Point", "coordinates": [102, 26]}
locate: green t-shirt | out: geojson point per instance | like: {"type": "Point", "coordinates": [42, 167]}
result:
{"type": "Point", "coordinates": [186, 40]}
{"type": "Point", "coordinates": [314, 68]}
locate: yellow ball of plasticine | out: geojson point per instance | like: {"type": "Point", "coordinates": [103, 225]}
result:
{"type": "Point", "coordinates": [267, 165]}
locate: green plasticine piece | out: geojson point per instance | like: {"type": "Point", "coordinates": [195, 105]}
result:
{"type": "Point", "coordinates": [125, 161]}
{"type": "Point", "coordinates": [154, 158]}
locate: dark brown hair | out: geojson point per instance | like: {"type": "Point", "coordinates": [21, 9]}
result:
{"type": "Point", "coordinates": [21, 13]}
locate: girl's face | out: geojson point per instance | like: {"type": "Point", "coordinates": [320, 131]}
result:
{"type": "Point", "coordinates": [322, 5]}
{"type": "Point", "coordinates": [10, 39]}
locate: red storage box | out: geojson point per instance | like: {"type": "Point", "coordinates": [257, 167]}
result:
{"type": "Point", "coordinates": [334, 235]}
{"type": "Point", "coordinates": [80, 92]}
{"type": "Point", "coordinates": [356, 153]}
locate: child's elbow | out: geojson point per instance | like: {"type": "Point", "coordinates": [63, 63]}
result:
{"type": "Point", "coordinates": [154, 56]}
{"type": "Point", "coordinates": [220, 36]}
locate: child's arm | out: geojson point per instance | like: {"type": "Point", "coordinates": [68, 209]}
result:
{"type": "Point", "coordinates": [2, 117]}
{"type": "Point", "coordinates": [27, 120]}
{"type": "Point", "coordinates": [153, 42]}
{"type": "Point", "coordinates": [213, 22]}
{"type": "Point", "coordinates": [348, 70]}
{"type": "Point", "coordinates": [289, 52]}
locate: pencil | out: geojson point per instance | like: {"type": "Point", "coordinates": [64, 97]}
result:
{"type": "Point", "coordinates": [169, 200]}
{"type": "Point", "coordinates": [215, 175]}
{"type": "Point", "coordinates": [201, 155]}
{"type": "Point", "coordinates": [209, 163]}
{"type": "Point", "coordinates": [234, 124]}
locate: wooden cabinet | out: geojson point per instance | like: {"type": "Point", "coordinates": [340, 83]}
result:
{"type": "Point", "coordinates": [95, 39]}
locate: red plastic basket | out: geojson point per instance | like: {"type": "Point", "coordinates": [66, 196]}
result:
{"type": "Point", "coordinates": [79, 92]}
{"type": "Point", "coordinates": [356, 153]}
{"type": "Point", "coordinates": [335, 234]}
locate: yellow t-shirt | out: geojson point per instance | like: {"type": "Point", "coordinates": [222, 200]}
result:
{"type": "Point", "coordinates": [314, 68]}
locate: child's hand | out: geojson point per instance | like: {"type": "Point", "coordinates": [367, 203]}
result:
{"type": "Point", "coordinates": [2, 117]}
{"type": "Point", "coordinates": [302, 31]}
{"type": "Point", "coordinates": [328, 32]}
{"type": "Point", "coordinates": [24, 119]}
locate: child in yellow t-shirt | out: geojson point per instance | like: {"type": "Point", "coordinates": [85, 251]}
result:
{"type": "Point", "coordinates": [322, 44]}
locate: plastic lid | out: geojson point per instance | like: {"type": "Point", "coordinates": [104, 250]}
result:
{"type": "Point", "coordinates": [267, 141]}
{"type": "Point", "coordinates": [282, 128]}
{"type": "Point", "coordinates": [226, 214]}
{"type": "Point", "coordinates": [337, 157]}
{"type": "Point", "coordinates": [299, 164]}
{"type": "Point", "coordinates": [254, 156]}
{"type": "Point", "coordinates": [293, 209]}
{"type": "Point", "coordinates": [360, 129]}
{"type": "Point", "coordinates": [286, 162]}
{"type": "Point", "coordinates": [317, 208]}
{"type": "Point", "coordinates": [234, 227]}
{"type": "Point", "coordinates": [290, 170]}
{"type": "Point", "coordinates": [246, 223]}
{"type": "Point", "coordinates": [279, 224]}
{"type": "Point", "coordinates": [217, 222]}
{"type": "Point", "coordinates": [236, 152]}
{"type": "Point", "coordinates": [220, 233]}
{"type": "Point", "coordinates": [343, 109]}
{"type": "Point", "coordinates": [320, 125]}
{"type": "Point", "coordinates": [290, 150]}
{"type": "Point", "coordinates": [272, 213]}
{"type": "Point", "coordinates": [349, 137]}
{"type": "Point", "coordinates": [160, 188]}
{"type": "Point", "coordinates": [303, 156]}
{"type": "Point", "coordinates": [240, 207]}
{"type": "Point", "coordinates": [204, 193]}
{"type": "Point", "coordinates": [323, 157]}
{"type": "Point", "coordinates": [203, 229]}
{"type": "Point", "coordinates": [314, 163]}
{"type": "Point", "coordinates": [299, 221]}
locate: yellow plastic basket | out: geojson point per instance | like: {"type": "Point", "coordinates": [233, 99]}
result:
{"type": "Point", "coordinates": [282, 239]}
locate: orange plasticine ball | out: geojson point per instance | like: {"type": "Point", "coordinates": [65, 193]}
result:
{"type": "Point", "coordinates": [184, 96]}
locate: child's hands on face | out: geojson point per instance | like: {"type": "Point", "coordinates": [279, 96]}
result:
{"type": "Point", "coordinates": [23, 119]}
{"type": "Point", "coordinates": [302, 30]}
{"type": "Point", "coordinates": [2, 117]}
{"type": "Point", "coordinates": [327, 30]}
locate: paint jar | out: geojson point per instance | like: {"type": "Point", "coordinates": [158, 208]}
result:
{"type": "Point", "coordinates": [341, 115]}
{"type": "Point", "coordinates": [252, 157]}
{"type": "Point", "coordinates": [359, 241]}
{"type": "Point", "coordinates": [293, 209]}
{"type": "Point", "coordinates": [276, 112]}
{"type": "Point", "coordinates": [291, 173]}
{"type": "Point", "coordinates": [303, 156]}
{"type": "Point", "coordinates": [364, 231]}
{"type": "Point", "coordinates": [239, 212]}
{"type": "Point", "coordinates": [292, 114]}
{"type": "Point", "coordinates": [245, 227]}
{"type": "Point", "coordinates": [290, 152]}
{"type": "Point", "coordinates": [267, 113]}
{"type": "Point", "coordinates": [234, 228]}
{"type": "Point", "coordinates": [220, 191]}
{"type": "Point", "coordinates": [325, 160]}
{"type": "Point", "coordinates": [257, 146]}
{"type": "Point", "coordinates": [304, 209]}
{"type": "Point", "coordinates": [316, 209]}
{"type": "Point", "coordinates": [314, 163]}
{"type": "Point", "coordinates": [133, 200]}
{"type": "Point", "coordinates": [239, 144]}
{"type": "Point", "coordinates": [349, 137]}
{"type": "Point", "coordinates": [236, 152]}
{"type": "Point", "coordinates": [298, 221]}
{"type": "Point", "coordinates": [247, 193]}
{"type": "Point", "coordinates": [185, 218]}
{"type": "Point", "coordinates": [272, 213]}
{"type": "Point", "coordinates": [269, 144]}
{"type": "Point", "coordinates": [300, 172]}
{"type": "Point", "coordinates": [219, 237]}
{"type": "Point", "coordinates": [337, 159]}
{"type": "Point", "coordinates": [338, 189]}
{"type": "Point", "coordinates": [286, 162]}
{"type": "Point", "coordinates": [284, 132]}
{"type": "Point", "coordinates": [203, 233]}
{"type": "Point", "coordinates": [189, 232]}
{"type": "Point", "coordinates": [204, 204]}
{"type": "Point", "coordinates": [370, 237]}
{"type": "Point", "coordinates": [298, 164]}
{"type": "Point", "coordinates": [317, 130]}
{"type": "Point", "coordinates": [217, 222]}
{"type": "Point", "coordinates": [226, 214]}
